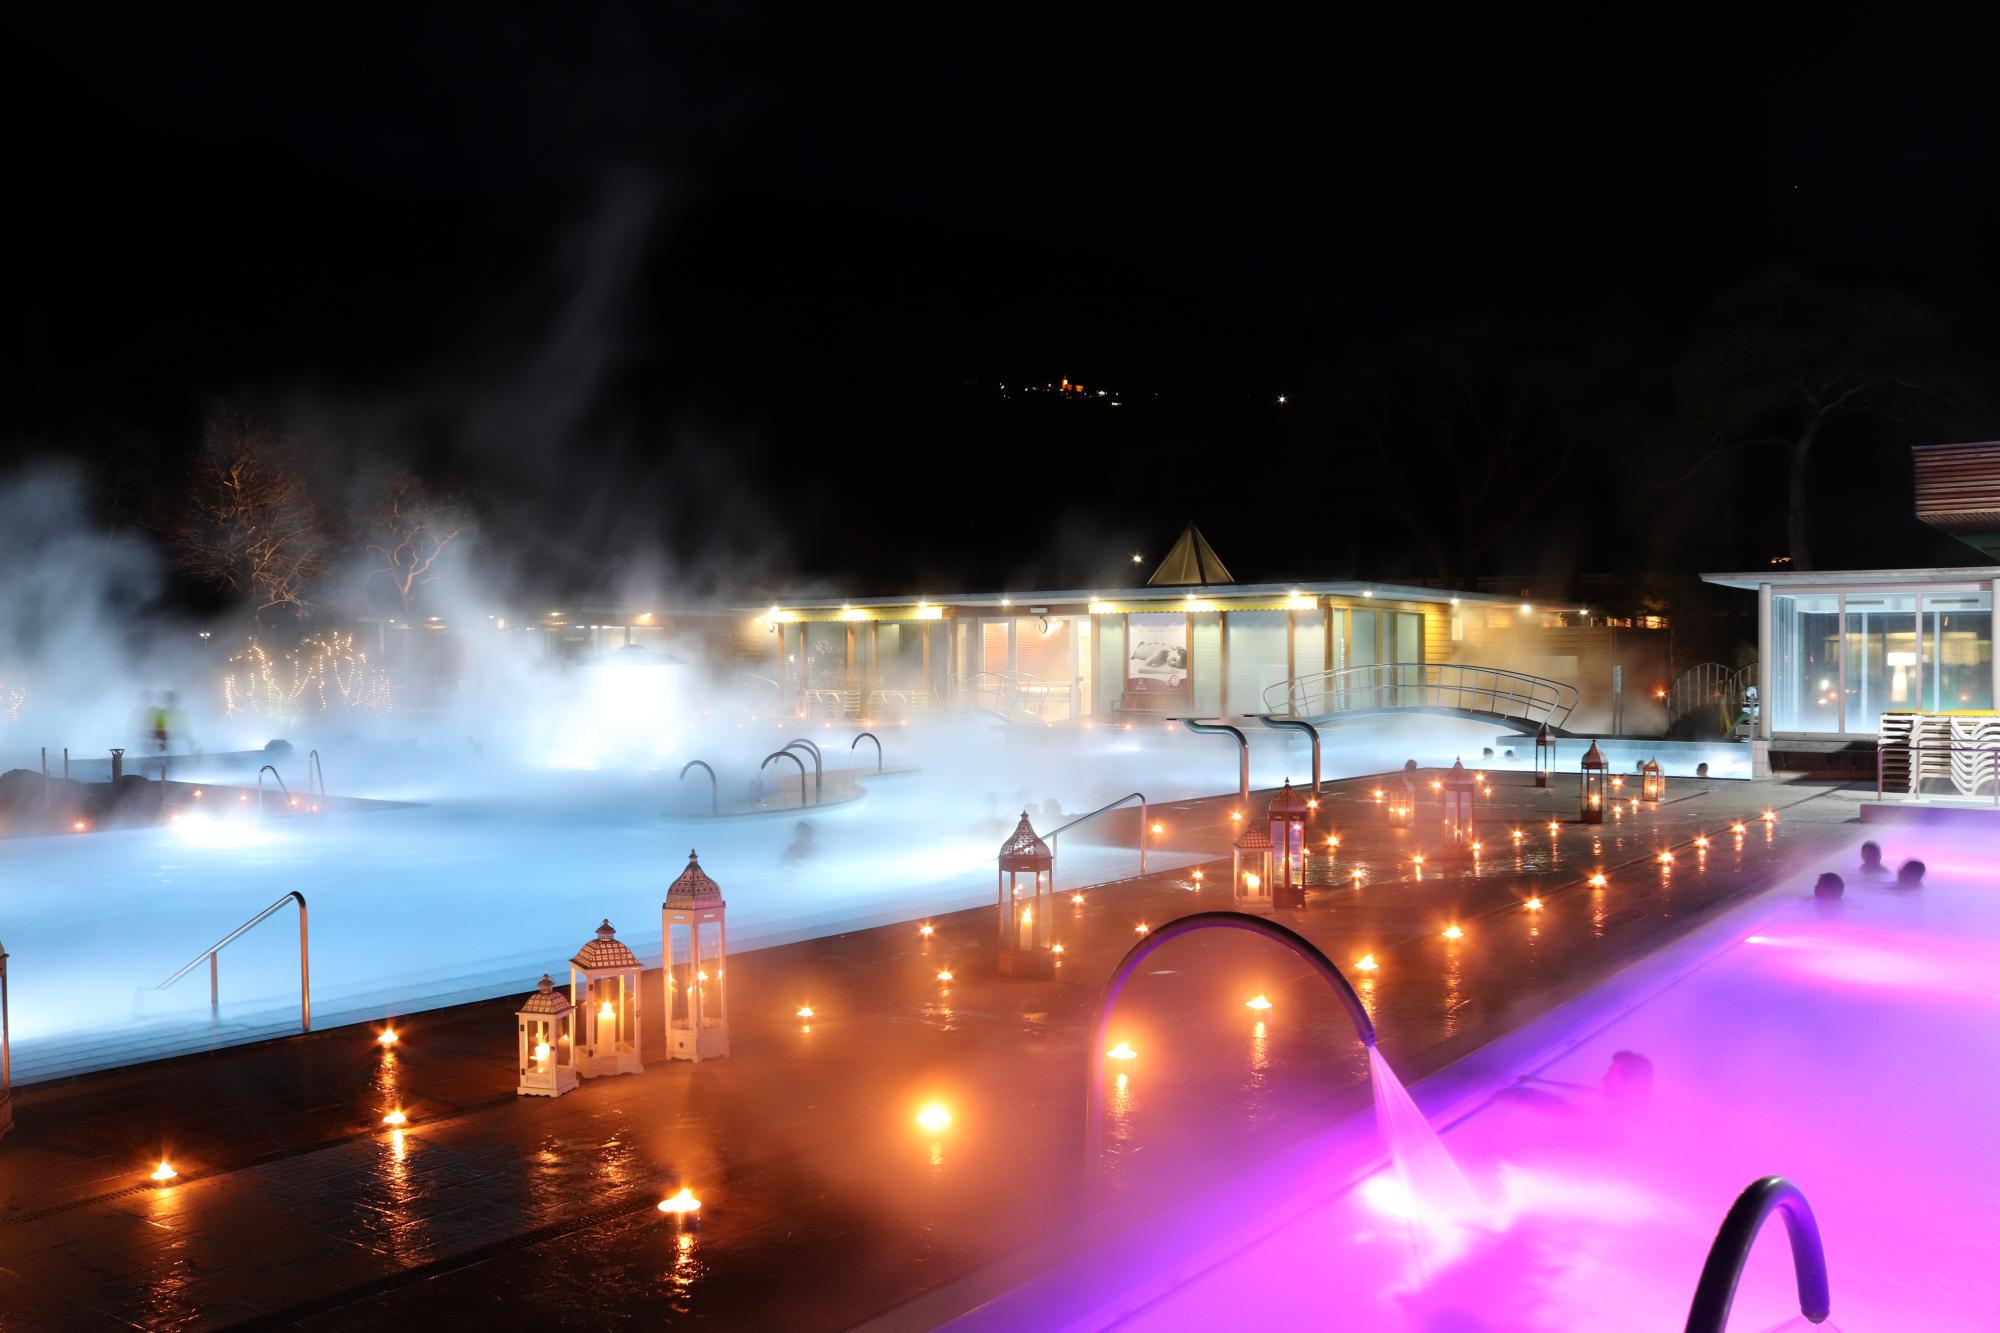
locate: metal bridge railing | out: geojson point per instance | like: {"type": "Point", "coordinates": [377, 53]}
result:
{"type": "Point", "coordinates": [1451, 686]}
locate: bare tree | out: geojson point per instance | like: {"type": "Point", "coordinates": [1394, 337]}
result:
{"type": "Point", "coordinates": [412, 527]}
{"type": "Point", "coordinates": [1783, 357]}
{"type": "Point", "coordinates": [1461, 434]}
{"type": "Point", "coordinates": [251, 523]}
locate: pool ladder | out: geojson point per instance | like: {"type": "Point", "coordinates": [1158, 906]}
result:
{"type": "Point", "coordinates": [214, 981]}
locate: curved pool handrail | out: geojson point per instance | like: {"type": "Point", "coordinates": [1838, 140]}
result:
{"type": "Point", "coordinates": [272, 770]}
{"type": "Point", "coordinates": [1717, 1288]}
{"type": "Point", "coordinates": [1100, 1018]}
{"type": "Point", "coordinates": [787, 754]}
{"type": "Point", "coordinates": [1242, 749]}
{"type": "Point", "coordinates": [819, 767]}
{"type": "Point", "coordinates": [714, 804]}
{"type": "Point", "coordinates": [315, 772]}
{"type": "Point", "coordinates": [869, 736]}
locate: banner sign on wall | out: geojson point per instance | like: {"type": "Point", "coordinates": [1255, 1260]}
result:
{"type": "Point", "coordinates": [1159, 657]}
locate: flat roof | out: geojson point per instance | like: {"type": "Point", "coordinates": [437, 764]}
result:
{"type": "Point", "coordinates": [1402, 592]}
{"type": "Point", "coordinates": [1830, 578]}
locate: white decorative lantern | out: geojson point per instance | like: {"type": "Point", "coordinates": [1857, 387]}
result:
{"type": "Point", "coordinates": [1459, 818]}
{"type": "Point", "coordinates": [697, 951]}
{"type": "Point", "coordinates": [1024, 921]}
{"type": "Point", "coordinates": [604, 989]}
{"type": "Point", "coordinates": [1253, 872]}
{"type": "Point", "coordinates": [547, 1038]}
{"type": "Point", "coordinates": [1652, 781]}
{"type": "Point", "coordinates": [1287, 818]}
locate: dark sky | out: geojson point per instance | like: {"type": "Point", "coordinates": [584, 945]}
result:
{"type": "Point", "coordinates": [733, 288]}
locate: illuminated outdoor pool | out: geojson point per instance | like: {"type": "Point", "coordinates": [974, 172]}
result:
{"type": "Point", "coordinates": [1854, 1049]}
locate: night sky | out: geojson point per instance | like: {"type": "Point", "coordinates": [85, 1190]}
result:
{"type": "Point", "coordinates": [733, 291]}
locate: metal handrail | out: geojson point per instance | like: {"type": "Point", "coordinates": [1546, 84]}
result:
{"type": "Point", "coordinates": [1054, 840]}
{"type": "Point", "coordinates": [214, 983]}
{"type": "Point", "coordinates": [275, 778]}
{"type": "Point", "coordinates": [787, 754]}
{"type": "Point", "coordinates": [1295, 724]}
{"type": "Point", "coordinates": [1100, 1019]}
{"type": "Point", "coordinates": [1460, 687]}
{"type": "Point", "coordinates": [818, 768]}
{"type": "Point", "coordinates": [1021, 691]}
{"type": "Point", "coordinates": [315, 771]}
{"type": "Point", "coordinates": [1242, 747]}
{"type": "Point", "coordinates": [1716, 1290]}
{"type": "Point", "coordinates": [714, 803]}
{"type": "Point", "coordinates": [869, 736]}
{"type": "Point", "coordinates": [6, 1053]}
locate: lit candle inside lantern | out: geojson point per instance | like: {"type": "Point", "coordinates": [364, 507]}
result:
{"type": "Point", "coordinates": [542, 1052]}
{"type": "Point", "coordinates": [681, 1204]}
{"type": "Point", "coordinates": [607, 1014]}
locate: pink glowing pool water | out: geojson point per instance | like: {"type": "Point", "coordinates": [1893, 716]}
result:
{"type": "Point", "coordinates": [1854, 1050]}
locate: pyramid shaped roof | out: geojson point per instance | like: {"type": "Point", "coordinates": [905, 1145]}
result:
{"type": "Point", "coordinates": [1191, 563]}
{"type": "Point", "coordinates": [606, 950]}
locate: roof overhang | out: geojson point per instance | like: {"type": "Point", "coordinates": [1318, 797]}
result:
{"type": "Point", "coordinates": [1849, 578]}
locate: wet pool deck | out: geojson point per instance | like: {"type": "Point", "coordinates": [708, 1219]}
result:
{"type": "Point", "coordinates": [824, 1203]}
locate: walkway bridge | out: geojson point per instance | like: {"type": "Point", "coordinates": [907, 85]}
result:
{"type": "Point", "coordinates": [1511, 699]}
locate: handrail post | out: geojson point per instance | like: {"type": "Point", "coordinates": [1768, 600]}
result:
{"type": "Point", "coordinates": [305, 970]}
{"type": "Point", "coordinates": [713, 806]}
{"type": "Point", "coordinates": [1243, 748]}
{"type": "Point", "coordinates": [1296, 724]}
{"type": "Point", "coordinates": [1145, 832]}
{"type": "Point", "coordinates": [214, 982]}
{"type": "Point", "coordinates": [868, 736]}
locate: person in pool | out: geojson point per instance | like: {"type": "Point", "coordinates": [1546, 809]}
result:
{"type": "Point", "coordinates": [1829, 888]}
{"type": "Point", "coordinates": [1871, 860]}
{"type": "Point", "coordinates": [1910, 875]}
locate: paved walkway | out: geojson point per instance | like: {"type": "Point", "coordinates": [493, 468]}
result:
{"type": "Point", "coordinates": [824, 1203]}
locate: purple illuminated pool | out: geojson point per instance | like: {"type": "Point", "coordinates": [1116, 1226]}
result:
{"type": "Point", "coordinates": [1855, 1050]}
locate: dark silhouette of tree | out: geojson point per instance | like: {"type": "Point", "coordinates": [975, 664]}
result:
{"type": "Point", "coordinates": [1461, 433]}
{"type": "Point", "coordinates": [251, 523]}
{"type": "Point", "coordinates": [1782, 357]}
